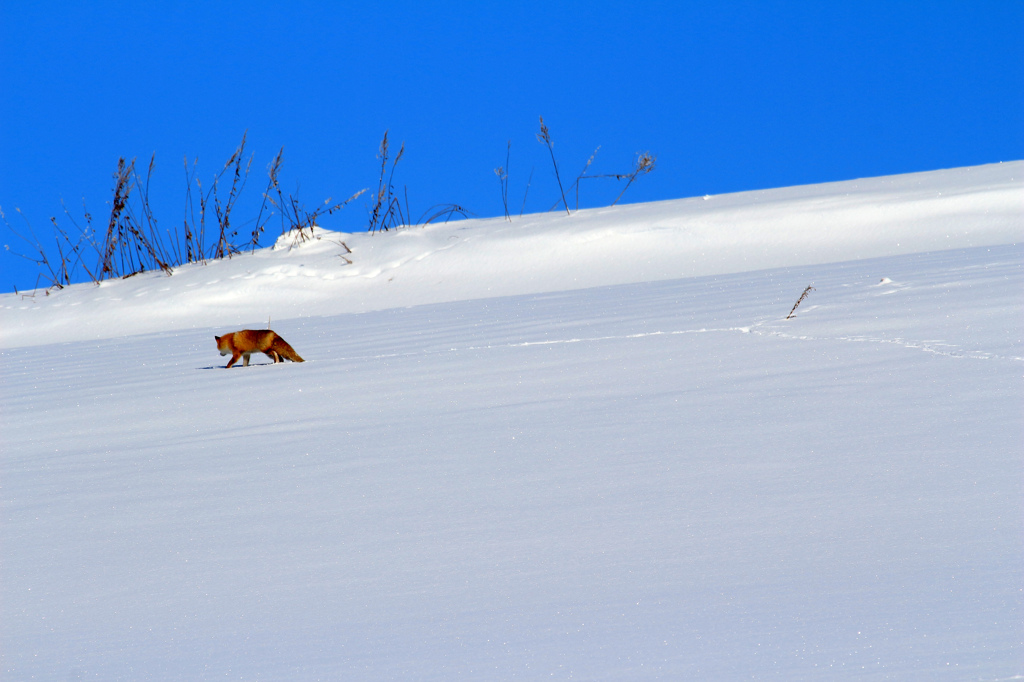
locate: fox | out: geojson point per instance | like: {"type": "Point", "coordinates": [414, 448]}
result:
{"type": "Point", "coordinates": [248, 341]}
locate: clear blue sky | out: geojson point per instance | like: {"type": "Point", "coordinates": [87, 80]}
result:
{"type": "Point", "coordinates": [729, 96]}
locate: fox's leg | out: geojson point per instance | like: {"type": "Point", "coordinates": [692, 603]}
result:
{"type": "Point", "coordinates": [234, 359]}
{"type": "Point", "coordinates": [245, 362]}
{"type": "Point", "coordinates": [272, 354]}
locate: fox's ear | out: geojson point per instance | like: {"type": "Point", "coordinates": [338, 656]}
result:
{"type": "Point", "coordinates": [217, 338]}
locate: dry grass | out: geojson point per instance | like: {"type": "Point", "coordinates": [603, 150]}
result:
{"type": "Point", "coordinates": [295, 219]}
{"type": "Point", "coordinates": [132, 241]}
{"type": "Point", "coordinates": [643, 164]}
{"type": "Point", "coordinates": [226, 236]}
{"type": "Point", "coordinates": [56, 273]}
{"type": "Point", "coordinates": [386, 212]}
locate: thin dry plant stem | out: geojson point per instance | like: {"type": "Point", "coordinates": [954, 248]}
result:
{"type": "Point", "coordinates": [225, 243]}
{"type": "Point", "coordinates": [544, 137]}
{"type": "Point", "coordinates": [808, 290]}
{"type": "Point", "coordinates": [583, 174]}
{"type": "Point", "coordinates": [526, 192]}
{"type": "Point", "coordinates": [644, 165]}
{"type": "Point", "coordinates": [502, 173]}
{"type": "Point", "coordinates": [273, 169]}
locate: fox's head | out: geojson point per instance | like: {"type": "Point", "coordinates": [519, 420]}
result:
{"type": "Point", "coordinates": [223, 344]}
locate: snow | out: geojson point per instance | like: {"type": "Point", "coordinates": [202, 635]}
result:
{"type": "Point", "coordinates": [586, 447]}
{"type": "Point", "coordinates": [975, 206]}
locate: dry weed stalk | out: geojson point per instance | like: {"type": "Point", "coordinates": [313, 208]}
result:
{"type": "Point", "coordinates": [294, 216]}
{"type": "Point", "coordinates": [195, 231]}
{"type": "Point", "coordinates": [63, 269]}
{"type": "Point", "coordinates": [132, 242]}
{"type": "Point", "coordinates": [644, 165]}
{"type": "Point", "coordinates": [502, 173]}
{"type": "Point", "coordinates": [122, 189]}
{"type": "Point", "coordinates": [79, 247]}
{"type": "Point", "coordinates": [273, 170]}
{"type": "Point", "coordinates": [344, 256]}
{"type": "Point", "coordinates": [225, 238]}
{"type": "Point", "coordinates": [544, 137]}
{"type": "Point", "coordinates": [387, 209]}
{"type": "Point", "coordinates": [193, 244]}
{"type": "Point", "coordinates": [47, 269]}
{"type": "Point", "coordinates": [583, 174]}
{"type": "Point", "coordinates": [125, 246]}
{"type": "Point", "coordinates": [529, 181]}
{"type": "Point", "coordinates": [808, 290]}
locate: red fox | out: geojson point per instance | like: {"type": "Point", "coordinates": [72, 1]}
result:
{"type": "Point", "coordinates": [249, 341]}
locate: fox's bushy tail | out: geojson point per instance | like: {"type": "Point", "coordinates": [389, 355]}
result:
{"type": "Point", "coordinates": [286, 351]}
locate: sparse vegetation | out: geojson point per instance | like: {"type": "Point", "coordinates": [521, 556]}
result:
{"type": "Point", "coordinates": [295, 219]}
{"type": "Point", "coordinates": [132, 241]}
{"type": "Point", "coordinates": [387, 209]}
{"type": "Point", "coordinates": [387, 212]}
{"type": "Point", "coordinates": [583, 174]}
{"type": "Point", "coordinates": [644, 164]}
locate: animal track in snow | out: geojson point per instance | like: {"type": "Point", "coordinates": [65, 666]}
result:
{"type": "Point", "coordinates": [936, 347]}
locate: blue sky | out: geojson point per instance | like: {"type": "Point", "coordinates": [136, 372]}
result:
{"type": "Point", "coordinates": [729, 96]}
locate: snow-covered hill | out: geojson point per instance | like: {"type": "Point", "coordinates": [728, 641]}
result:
{"type": "Point", "coordinates": [586, 447]}
{"type": "Point", "coordinates": [977, 206]}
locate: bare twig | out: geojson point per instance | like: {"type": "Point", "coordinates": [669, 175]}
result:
{"type": "Point", "coordinates": [808, 290]}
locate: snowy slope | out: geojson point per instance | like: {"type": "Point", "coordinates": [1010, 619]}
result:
{"type": "Point", "coordinates": [978, 206]}
{"type": "Point", "coordinates": [612, 473]}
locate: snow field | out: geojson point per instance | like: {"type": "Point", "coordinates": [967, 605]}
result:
{"type": "Point", "coordinates": [660, 480]}
{"type": "Point", "coordinates": [585, 447]}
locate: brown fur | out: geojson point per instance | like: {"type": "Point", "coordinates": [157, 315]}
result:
{"type": "Point", "coordinates": [249, 341]}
